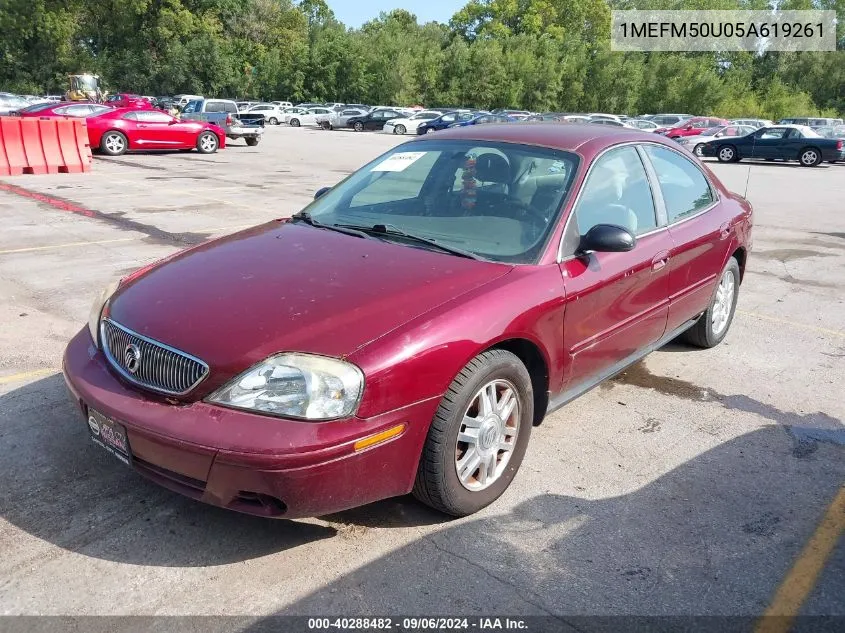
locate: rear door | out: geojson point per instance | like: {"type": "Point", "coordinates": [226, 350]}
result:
{"type": "Point", "coordinates": [617, 303]}
{"type": "Point", "coordinates": [699, 237]}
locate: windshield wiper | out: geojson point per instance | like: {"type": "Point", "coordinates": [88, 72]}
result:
{"type": "Point", "coordinates": [304, 216]}
{"type": "Point", "coordinates": [391, 230]}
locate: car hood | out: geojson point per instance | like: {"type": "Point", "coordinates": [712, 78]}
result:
{"type": "Point", "coordinates": [287, 286]}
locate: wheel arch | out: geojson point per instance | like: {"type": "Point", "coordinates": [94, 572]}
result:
{"type": "Point", "coordinates": [741, 256]}
{"type": "Point", "coordinates": [537, 364]}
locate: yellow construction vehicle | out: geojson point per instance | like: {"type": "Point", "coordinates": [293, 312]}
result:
{"type": "Point", "coordinates": [85, 87]}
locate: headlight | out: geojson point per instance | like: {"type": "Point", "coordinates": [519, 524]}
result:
{"type": "Point", "coordinates": [296, 385]}
{"type": "Point", "coordinates": [97, 309]}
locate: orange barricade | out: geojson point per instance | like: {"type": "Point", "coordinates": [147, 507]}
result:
{"type": "Point", "coordinates": [43, 146]}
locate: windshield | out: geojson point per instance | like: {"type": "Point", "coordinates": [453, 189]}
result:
{"type": "Point", "coordinates": [85, 82]}
{"type": "Point", "coordinates": [496, 200]}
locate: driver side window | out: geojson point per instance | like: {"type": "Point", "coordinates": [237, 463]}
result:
{"type": "Point", "coordinates": [617, 192]}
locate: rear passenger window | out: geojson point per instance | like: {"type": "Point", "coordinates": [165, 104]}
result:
{"type": "Point", "coordinates": [685, 189]}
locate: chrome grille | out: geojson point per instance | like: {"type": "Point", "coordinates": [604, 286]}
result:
{"type": "Point", "coordinates": [157, 366]}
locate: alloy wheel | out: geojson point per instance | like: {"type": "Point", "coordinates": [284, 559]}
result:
{"type": "Point", "coordinates": [487, 436]}
{"type": "Point", "coordinates": [721, 313]}
{"type": "Point", "coordinates": [115, 143]}
{"type": "Point", "coordinates": [809, 158]}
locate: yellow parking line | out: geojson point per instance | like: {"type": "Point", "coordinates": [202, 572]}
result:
{"type": "Point", "coordinates": [795, 324]}
{"type": "Point", "coordinates": [31, 249]}
{"type": "Point", "coordinates": [36, 373]}
{"type": "Point", "coordinates": [805, 572]}
{"type": "Point", "coordinates": [65, 245]}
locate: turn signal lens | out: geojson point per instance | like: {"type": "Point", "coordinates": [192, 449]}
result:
{"type": "Point", "coordinates": [378, 438]}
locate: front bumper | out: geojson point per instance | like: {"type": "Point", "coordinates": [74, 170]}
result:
{"type": "Point", "coordinates": [251, 463]}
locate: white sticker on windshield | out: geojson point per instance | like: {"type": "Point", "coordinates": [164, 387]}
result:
{"type": "Point", "coordinates": [399, 162]}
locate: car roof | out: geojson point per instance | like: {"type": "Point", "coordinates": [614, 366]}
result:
{"type": "Point", "coordinates": [586, 138]}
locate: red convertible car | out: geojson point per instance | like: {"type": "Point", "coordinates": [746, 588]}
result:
{"type": "Point", "coordinates": [406, 330]}
{"type": "Point", "coordinates": [117, 131]}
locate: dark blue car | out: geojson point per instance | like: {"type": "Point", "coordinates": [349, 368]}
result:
{"type": "Point", "coordinates": [485, 118]}
{"type": "Point", "coordinates": [444, 121]}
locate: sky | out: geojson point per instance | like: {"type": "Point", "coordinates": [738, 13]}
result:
{"type": "Point", "coordinates": [356, 12]}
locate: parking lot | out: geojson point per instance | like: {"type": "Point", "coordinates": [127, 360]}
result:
{"type": "Point", "coordinates": [690, 484]}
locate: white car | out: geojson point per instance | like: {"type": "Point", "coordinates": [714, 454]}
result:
{"type": "Point", "coordinates": [755, 123]}
{"type": "Point", "coordinates": [338, 119]}
{"type": "Point", "coordinates": [290, 112]}
{"type": "Point", "coordinates": [309, 117]}
{"type": "Point", "coordinates": [282, 104]}
{"type": "Point", "coordinates": [411, 123]}
{"type": "Point", "coordinates": [643, 124]}
{"type": "Point", "coordinates": [273, 114]}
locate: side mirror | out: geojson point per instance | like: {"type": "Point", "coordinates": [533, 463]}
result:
{"type": "Point", "coordinates": [688, 126]}
{"type": "Point", "coordinates": [321, 191]}
{"type": "Point", "coordinates": [607, 238]}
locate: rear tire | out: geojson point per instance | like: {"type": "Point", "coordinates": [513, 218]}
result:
{"type": "Point", "coordinates": [438, 484]}
{"type": "Point", "coordinates": [712, 326]}
{"type": "Point", "coordinates": [809, 157]}
{"type": "Point", "coordinates": [207, 143]}
{"type": "Point", "coordinates": [252, 141]}
{"type": "Point", "coordinates": [114, 143]}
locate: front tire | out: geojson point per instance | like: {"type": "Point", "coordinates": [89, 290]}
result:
{"type": "Point", "coordinates": [114, 143]}
{"type": "Point", "coordinates": [810, 157]}
{"type": "Point", "coordinates": [430, 130]}
{"type": "Point", "coordinates": [399, 129]}
{"type": "Point", "coordinates": [698, 150]}
{"type": "Point", "coordinates": [273, 121]}
{"type": "Point", "coordinates": [359, 127]}
{"type": "Point", "coordinates": [727, 154]}
{"type": "Point", "coordinates": [294, 122]}
{"type": "Point", "coordinates": [478, 437]}
{"type": "Point", "coordinates": [712, 326]}
{"type": "Point", "coordinates": [207, 143]}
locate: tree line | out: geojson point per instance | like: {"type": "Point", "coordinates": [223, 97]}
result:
{"type": "Point", "coordinates": [541, 55]}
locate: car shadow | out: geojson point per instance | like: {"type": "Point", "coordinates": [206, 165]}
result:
{"type": "Point", "coordinates": [60, 488]}
{"type": "Point", "coordinates": [713, 536]}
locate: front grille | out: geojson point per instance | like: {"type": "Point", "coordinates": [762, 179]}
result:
{"type": "Point", "coordinates": [148, 363]}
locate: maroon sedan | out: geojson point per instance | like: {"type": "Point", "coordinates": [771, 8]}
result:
{"type": "Point", "coordinates": [115, 132]}
{"type": "Point", "coordinates": [127, 100]}
{"type": "Point", "coordinates": [407, 329]}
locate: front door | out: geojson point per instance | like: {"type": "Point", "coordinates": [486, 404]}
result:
{"type": "Point", "coordinates": [616, 303]}
{"type": "Point", "coordinates": [767, 143]}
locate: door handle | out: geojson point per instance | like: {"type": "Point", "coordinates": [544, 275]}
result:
{"type": "Point", "coordinates": [659, 261]}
